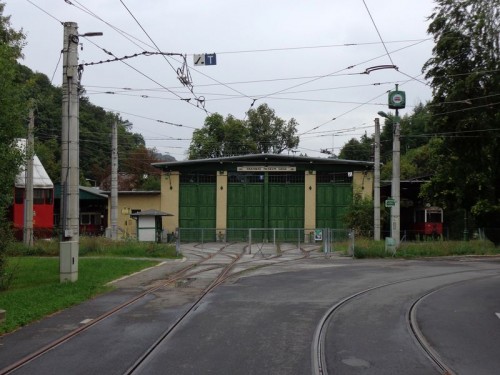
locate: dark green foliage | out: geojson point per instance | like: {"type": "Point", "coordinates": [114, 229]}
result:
{"type": "Point", "coordinates": [359, 215]}
{"type": "Point", "coordinates": [261, 132]}
{"type": "Point", "coordinates": [465, 78]}
{"type": "Point", "coordinates": [358, 150]}
{"type": "Point", "coordinates": [12, 115]}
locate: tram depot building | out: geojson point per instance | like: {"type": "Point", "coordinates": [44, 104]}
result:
{"type": "Point", "coordinates": [221, 197]}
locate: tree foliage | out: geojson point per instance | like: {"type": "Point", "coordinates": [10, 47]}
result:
{"type": "Point", "coordinates": [11, 117]}
{"type": "Point", "coordinates": [358, 150]}
{"type": "Point", "coordinates": [271, 134]}
{"type": "Point", "coordinates": [261, 132]}
{"type": "Point", "coordinates": [464, 71]}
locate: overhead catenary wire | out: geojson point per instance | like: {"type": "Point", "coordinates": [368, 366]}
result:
{"type": "Point", "coordinates": [285, 98]}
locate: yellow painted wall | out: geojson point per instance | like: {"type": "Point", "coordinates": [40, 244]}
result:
{"type": "Point", "coordinates": [170, 183]}
{"type": "Point", "coordinates": [221, 208]}
{"type": "Point", "coordinates": [127, 227]}
{"type": "Point", "coordinates": [362, 182]}
{"type": "Point", "coordinates": [309, 201]}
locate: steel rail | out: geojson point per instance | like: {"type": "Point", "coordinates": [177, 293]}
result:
{"type": "Point", "coordinates": [218, 280]}
{"type": "Point", "coordinates": [182, 273]}
{"type": "Point", "coordinates": [318, 356]}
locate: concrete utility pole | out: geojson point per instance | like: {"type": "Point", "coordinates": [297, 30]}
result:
{"type": "Point", "coordinates": [28, 201]}
{"type": "Point", "coordinates": [70, 167]}
{"type": "Point", "coordinates": [376, 184]}
{"type": "Point", "coordinates": [397, 100]}
{"type": "Point", "coordinates": [114, 181]}
{"type": "Point", "coordinates": [70, 156]}
{"type": "Point", "coordinates": [395, 189]}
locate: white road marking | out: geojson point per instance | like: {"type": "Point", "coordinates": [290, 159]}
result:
{"type": "Point", "coordinates": [85, 321]}
{"type": "Point", "coordinates": [498, 315]}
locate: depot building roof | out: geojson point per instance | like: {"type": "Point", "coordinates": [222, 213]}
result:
{"type": "Point", "coordinates": [264, 162]}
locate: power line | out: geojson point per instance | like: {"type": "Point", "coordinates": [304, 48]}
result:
{"type": "Point", "coordinates": [44, 11]}
{"type": "Point", "coordinates": [126, 35]}
{"type": "Point", "coordinates": [378, 32]}
{"type": "Point", "coordinates": [319, 46]}
{"type": "Point", "coordinates": [182, 74]}
{"type": "Point", "coordinates": [187, 100]}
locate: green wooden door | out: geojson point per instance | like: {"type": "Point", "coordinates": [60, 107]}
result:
{"type": "Point", "coordinates": [286, 208]}
{"type": "Point", "coordinates": [332, 201]}
{"type": "Point", "coordinates": [245, 209]}
{"type": "Point", "coordinates": [197, 205]}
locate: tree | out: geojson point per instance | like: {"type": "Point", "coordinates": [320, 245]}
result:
{"type": "Point", "coordinates": [220, 137]}
{"type": "Point", "coordinates": [465, 110]}
{"type": "Point", "coordinates": [12, 115]}
{"type": "Point", "coordinates": [358, 150]}
{"type": "Point", "coordinates": [262, 132]}
{"type": "Point", "coordinates": [271, 134]}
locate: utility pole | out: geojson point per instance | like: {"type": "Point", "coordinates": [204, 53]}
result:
{"type": "Point", "coordinates": [397, 100]}
{"type": "Point", "coordinates": [70, 167]}
{"type": "Point", "coordinates": [28, 201]}
{"type": "Point", "coordinates": [114, 181]}
{"type": "Point", "coordinates": [396, 179]}
{"type": "Point", "coordinates": [376, 184]}
{"type": "Point", "coordinates": [70, 156]}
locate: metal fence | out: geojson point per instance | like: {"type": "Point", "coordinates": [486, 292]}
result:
{"type": "Point", "coordinates": [326, 240]}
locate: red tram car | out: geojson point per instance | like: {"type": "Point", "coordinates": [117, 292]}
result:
{"type": "Point", "coordinates": [428, 222]}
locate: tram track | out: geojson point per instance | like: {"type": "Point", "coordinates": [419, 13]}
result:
{"type": "Point", "coordinates": [207, 262]}
{"type": "Point", "coordinates": [318, 351]}
{"type": "Point", "coordinates": [173, 278]}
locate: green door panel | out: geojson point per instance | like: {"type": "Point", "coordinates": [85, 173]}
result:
{"type": "Point", "coordinates": [332, 201]}
{"type": "Point", "coordinates": [197, 206]}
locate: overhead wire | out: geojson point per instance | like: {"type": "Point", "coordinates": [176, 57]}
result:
{"type": "Point", "coordinates": [187, 100]}
{"type": "Point", "coordinates": [125, 34]}
{"type": "Point", "coordinates": [184, 78]}
{"type": "Point", "coordinates": [268, 94]}
{"type": "Point", "coordinates": [128, 37]}
{"type": "Point", "coordinates": [320, 46]}
{"type": "Point", "coordinates": [378, 32]}
{"type": "Point", "coordinates": [44, 11]}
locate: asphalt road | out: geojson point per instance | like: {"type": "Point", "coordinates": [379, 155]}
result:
{"type": "Point", "coordinates": [263, 323]}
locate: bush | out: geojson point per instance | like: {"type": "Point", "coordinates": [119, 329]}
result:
{"type": "Point", "coordinates": [366, 248]}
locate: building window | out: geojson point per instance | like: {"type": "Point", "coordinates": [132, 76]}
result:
{"type": "Point", "coordinates": [199, 178]}
{"type": "Point", "coordinates": [38, 196]}
{"type": "Point", "coordinates": [247, 178]}
{"type": "Point", "coordinates": [334, 178]}
{"type": "Point", "coordinates": [281, 178]}
{"type": "Point", "coordinates": [49, 196]}
{"type": "Point", "coordinates": [19, 196]}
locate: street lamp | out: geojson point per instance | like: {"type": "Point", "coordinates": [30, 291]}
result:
{"type": "Point", "coordinates": [396, 177]}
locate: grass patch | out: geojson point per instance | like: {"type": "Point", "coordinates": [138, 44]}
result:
{"type": "Point", "coordinates": [36, 291]}
{"type": "Point", "coordinates": [98, 246]}
{"type": "Point", "coordinates": [367, 248]}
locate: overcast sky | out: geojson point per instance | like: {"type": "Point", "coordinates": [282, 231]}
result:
{"type": "Point", "coordinates": [304, 58]}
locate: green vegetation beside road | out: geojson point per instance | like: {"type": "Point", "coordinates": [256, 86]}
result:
{"type": "Point", "coordinates": [98, 246]}
{"type": "Point", "coordinates": [36, 291]}
{"type": "Point", "coordinates": [32, 288]}
{"type": "Point", "coordinates": [367, 248]}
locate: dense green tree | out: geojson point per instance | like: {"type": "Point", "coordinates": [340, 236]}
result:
{"type": "Point", "coordinates": [12, 116]}
{"type": "Point", "coordinates": [220, 137]}
{"type": "Point", "coordinates": [358, 150]}
{"type": "Point", "coordinates": [261, 132]}
{"type": "Point", "coordinates": [271, 134]}
{"type": "Point", "coordinates": [464, 71]}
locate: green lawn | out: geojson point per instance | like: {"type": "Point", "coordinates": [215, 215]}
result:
{"type": "Point", "coordinates": [36, 291]}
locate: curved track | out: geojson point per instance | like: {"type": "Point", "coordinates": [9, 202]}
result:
{"type": "Point", "coordinates": [318, 349]}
